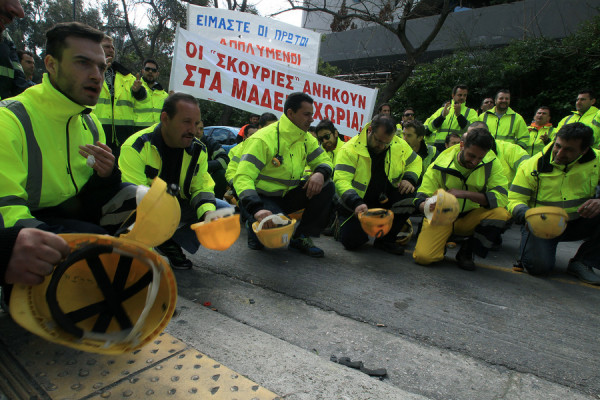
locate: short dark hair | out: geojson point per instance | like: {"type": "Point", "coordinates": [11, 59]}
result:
{"type": "Point", "coordinates": [478, 124]}
{"type": "Point", "coordinates": [248, 127]}
{"type": "Point", "coordinates": [577, 131]}
{"type": "Point", "coordinates": [150, 60]}
{"type": "Point", "coordinates": [325, 124]}
{"type": "Point", "coordinates": [386, 121]}
{"type": "Point", "coordinates": [21, 53]}
{"type": "Point", "coordinates": [417, 125]}
{"type": "Point", "coordinates": [56, 36]}
{"type": "Point", "coordinates": [266, 117]}
{"type": "Point", "coordinates": [295, 100]}
{"type": "Point", "coordinates": [501, 91]}
{"type": "Point", "coordinates": [408, 109]}
{"type": "Point", "coordinates": [481, 138]}
{"type": "Point", "coordinates": [544, 108]}
{"type": "Point", "coordinates": [383, 105]}
{"type": "Point", "coordinates": [461, 86]}
{"type": "Point", "coordinates": [170, 104]}
{"type": "Point", "coordinates": [450, 135]}
{"type": "Point", "coordinates": [587, 91]}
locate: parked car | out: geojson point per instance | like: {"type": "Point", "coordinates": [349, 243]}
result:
{"type": "Point", "coordinates": [225, 135]}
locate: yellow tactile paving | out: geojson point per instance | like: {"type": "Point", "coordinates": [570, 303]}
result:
{"type": "Point", "coordinates": [164, 369]}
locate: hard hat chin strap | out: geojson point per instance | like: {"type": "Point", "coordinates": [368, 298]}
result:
{"type": "Point", "coordinates": [276, 218]}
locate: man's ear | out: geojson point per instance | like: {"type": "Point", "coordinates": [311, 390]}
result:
{"type": "Point", "coordinates": [164, 117]}
{"type": "Point", "coordinates": [51, 64]}
{"type": "Point", "coordinates": [593, 101]}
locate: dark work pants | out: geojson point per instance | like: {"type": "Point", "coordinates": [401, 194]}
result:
{"type": "Point", "coordinates": [316, 210]}
{"type": "Point", "coordinates": [352, 235]}
{"type": "Point", "coordinates": [122, 132]}
{"type": "Point", "coordinates": [538, 256]}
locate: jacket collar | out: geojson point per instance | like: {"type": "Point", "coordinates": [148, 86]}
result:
{"type": "Point", "coordinates": [61, 105]}
{"type": "Point", "coordinates": [157, 141]}
{"type": "Point", "coordinates": [155, 86]}
{"type": "Point", "coordinates": [288, 131]}
{"type": "Point", "coordinates": [118, 67]}
{"type": "Point", "coordinates": [545, 163]}
{"type": "Point", "coordinates": [590, 111]}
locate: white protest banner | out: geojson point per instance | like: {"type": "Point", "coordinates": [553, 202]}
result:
{"type": "Point", "coordinates": [210, 71]}
{"type": "Point", "coordinates": [259, 36]}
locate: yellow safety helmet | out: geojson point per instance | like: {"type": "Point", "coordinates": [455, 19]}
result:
{"type": "Point", "coordinates": [220, 229]}
{"type": "Point", "coordinates": [279, 236]}
{"type": "Point", "coordinates": [297, 215]}
{"type": "Point", "coordinates": [547, 222]}
{"type": "Point", "coordinates": [405, 233]}
{"type": "Point", "coordinates": [376, 222]}
{"type": "Point", "coordinates": [110, 295]}
{"type": "Point", "coordinates": [446, 208]}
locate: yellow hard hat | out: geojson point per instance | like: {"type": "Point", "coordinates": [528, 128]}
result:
{"type": "Point", "coordinates": [157, 214]}
{"type": "Point", "coordinates": [405, 234]}
{"type": "Point", "coordinates": [446, 208]}
{"type": "Point", "coordinates": [279, 236]}
{"type": "Point", "coordinates": [376, 222]}
{"type": "Point", "coordinates": [110, 296]}
{"type": "Point", "coordinates": [547, 222]}
{"type": "Point", "coordinates": [297, 215]}
{"type": "Point", "coordinates": [220, 229]}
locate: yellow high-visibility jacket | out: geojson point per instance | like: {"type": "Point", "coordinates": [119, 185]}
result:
{"type": "Point", "coordinates": [39, 151]}
{"type": "Point", "coordinates": [353, 168]}
{"type": "Point", "coordinates": [147, 111]}
{"type": "Point", "coordinates": [588, 118]}
{"type": "Point", "coordinates": [141, 161]}
{"type": "Point", "coordinates": [511, 127]}
{"type": "Point", "coordinates": [510, 156]}
{"type": "Point", "coordinates": [487, 178]}
{"type": "Point", "coordinates": [451, 123]}
{"type": "Point", "coordinates": [536, 144]}
{"type": "Point", "coordinates": [257, 173]}
{"type": "Point", "coordinates": [541, 182]}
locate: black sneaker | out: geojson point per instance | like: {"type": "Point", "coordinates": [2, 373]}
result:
{"type": "Point", "coordinates": [173, 252]}
{"type": "Point", "coordinates": [304, 244]}
{"type": "Point", "coordinates": [464, 257]}
{"type": "Point", "coordinates": [389, 247]}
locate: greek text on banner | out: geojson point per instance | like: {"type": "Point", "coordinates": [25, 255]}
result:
{"type": "Point", "coordinates": [209, 71]}
{"type": "Point", "coordinates": [259, 36]}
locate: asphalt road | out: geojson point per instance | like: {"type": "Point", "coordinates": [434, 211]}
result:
{"type": "Point", "coordinates": [440, 331]}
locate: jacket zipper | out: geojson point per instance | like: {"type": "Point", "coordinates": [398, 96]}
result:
{"type": "Point", "coordinates": [69, 170]}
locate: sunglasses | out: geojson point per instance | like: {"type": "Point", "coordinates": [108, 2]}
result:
{"type": "Point", "coordinates": [324, 137]}
{"type": "Point", "coordinates": [409, 115]}
{"type": "Point", "coordinates": [148, 69]}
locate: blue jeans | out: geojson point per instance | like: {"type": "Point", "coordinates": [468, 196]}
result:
{"type": "Point", "coordinates": [538, 256]}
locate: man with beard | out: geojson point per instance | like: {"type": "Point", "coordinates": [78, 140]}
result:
{"type": "Point", "coordinates": [147, 111]}
{"type": "Point", "coordinates": [375, 169]}
{"type": "Point", "coordinates": [12, 77]}
{"type": "Point", "coordinates": [504, 123]}
{"type": "Point", "coordinates": [565, 174]}
{"type": "Point", "coordinates": [328, 137]}
{"type": "Point", "coordinates": [541, 131]}
{"type": "Point", "coordinates": [474, 175]}
{"type": "Point", "coordinates": [115, 106]}
{"type": "Point", "coordinates": [585, 113]}
{"type": "Point", "coordinates": [28, 65]}
{"type": "Point", "coordinates": [414, 134]}
{"type": "Point", "coordinates": [59, 175]}
{"type": "Point", "coordinates": [170, 151]}
{"type": "Point", "coordinates": [453, 117]}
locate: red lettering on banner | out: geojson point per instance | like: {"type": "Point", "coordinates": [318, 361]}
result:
{"type": "Point", "coordinates": [216, 83]}
{"type": "Point", "coordinates": [221, 62]}
{"type": "Point", "coordinates": [362, 103]}
{"type": "Point", "coordinates": [223, 42]}
{"type": "Point", "coordinates": [277, 104]}
{"type": "Point", "coordinates": [255, 69]}
{"type": "Point", "coordinates": [339, 115]}
{"type": "Point", "coordinates": [188, 81]}
{"type": "Point", "coordinates": [239, 89]}
{"type": "Point", "coordinates": [289, 85]}
{"type": "Point", "coordinates": [231, 64]}
{"type": "Point", "coordinates": [260, 49]}
{"type": "Point", "coordinates": [326, 92]}
{"type": "Point", "coordinates": [334, 94]}
{"type": "Point", "coordinates": [318, 107]}
{"type": "Point", "coordinates": [329, 113]}
{"type": "Point", "coordinates": [253, 96]}
{"type": "Point", "coordinates": [204, 72]}
{"type": "Point", "coordinates": [278, 55]}
{"type": "Point", "coordinates": [345, 97]}
{"type": "Point", "coordinates": [190, 49]}
{"type": "Point", "coordinates": [280, 77]}
{"type": "Point", "coordinates": [266, 99]}
{"type": "Point", "coordinates": [265, 73]}
{"type": "Point", "coordinates": [270, 53]}
{"type": "Point", "coordinates": [244, 68]}
{"type": "Point", "coordinates": [306, 88]}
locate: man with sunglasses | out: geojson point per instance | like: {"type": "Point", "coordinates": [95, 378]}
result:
{"type": "Point", "coordinates": [328, 138]}
{"type": "Point", "coordinates": [375, 169]}
{"type": "Point", "coordinates": [147, 111]}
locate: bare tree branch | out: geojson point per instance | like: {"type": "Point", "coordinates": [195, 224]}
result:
{"type": "Point", "coordinates": [138, 51]}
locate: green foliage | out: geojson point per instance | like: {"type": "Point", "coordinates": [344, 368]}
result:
{"type": "Point", "coordinates": [327, 69]}
{"type": "Point", "coordinates": [537, 71]}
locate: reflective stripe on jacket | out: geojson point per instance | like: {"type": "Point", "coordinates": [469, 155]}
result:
{"type": "Point", "coordinates": [588, 118]}
{"type": "Point", "coordinates": [39, 150]}
{"type": "Point", "coordinates": [487, 178]}
{"type": "Point", "coordinates": [450, 124]}
{"type": "Point", "coordinates": [141, 161]}
{"type": "Point", "coordinates": [541, 182]}
{"type": "Point", "coordinates": [511, 127]}
{"type": "Point", "coordinates": [257, 173]}
{"type": "Point", "coordinates": [235, 153]}
{"type": "Point", "coordinates": [353, 168]}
